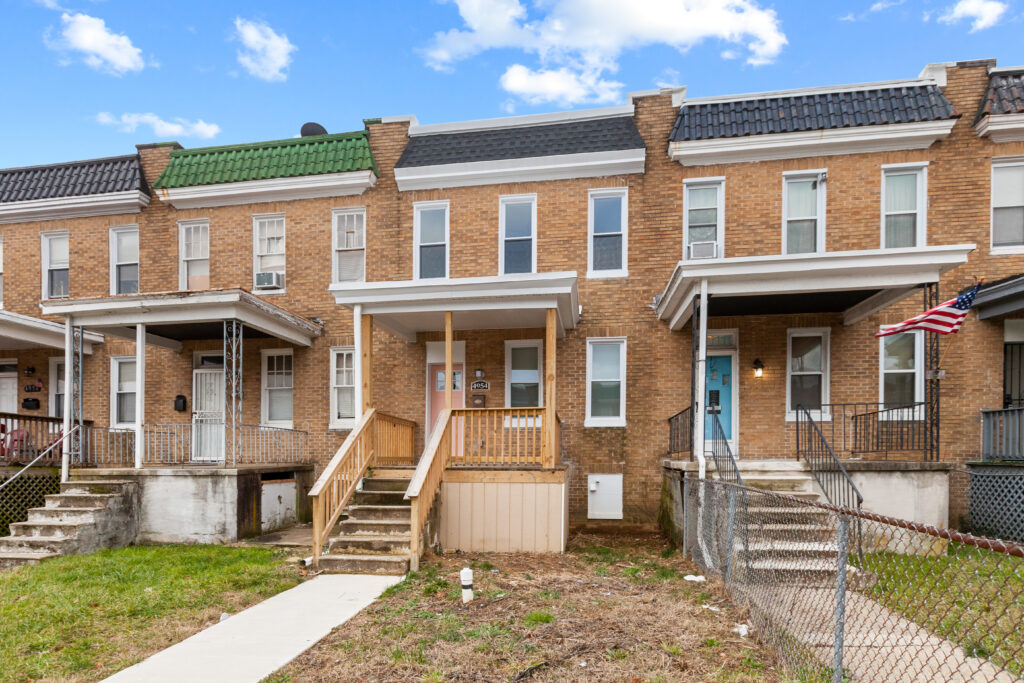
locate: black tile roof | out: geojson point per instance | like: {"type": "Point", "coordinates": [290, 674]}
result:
{"type": "Point", "coordinates": [814, 111]}
{"type": "Point", "coordinates": [571, 137]}
{"type": "Point", "coordinates": [1005, 95]}
{"type": "Point", "coordinates": [73, 179]}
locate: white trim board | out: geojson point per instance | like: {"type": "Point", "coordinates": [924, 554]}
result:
{"type": "Point", "coordinates": [30, 332]}
{"type": "Point", "coordinates": [272, 190]}
{"type": "Point", "coordinates": [1001, 127]}
{"type": "Point", "coordinates": [131, 201]}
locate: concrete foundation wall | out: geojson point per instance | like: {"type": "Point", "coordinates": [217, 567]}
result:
{"type": "Point", "coordinates": [918, 496]}
{"type": "Point", "coordinates": [277, 502]}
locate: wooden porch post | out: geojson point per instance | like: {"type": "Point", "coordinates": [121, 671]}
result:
{"type": "Point", "coordinates": [550, 430]}
{"type": "Point", "coordinates": [367, 361]}
{"type": "Point", "coordinates": [448, 378]}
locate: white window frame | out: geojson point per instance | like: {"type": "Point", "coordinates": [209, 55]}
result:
{"type": "Point", "coordinates": [112, 234]}
{"type": "Point", "coordinates": [115, 373]}
{"type": "Point", "coordinates": [821, 175]}
{"type": "Point", "coordinates": [718, 182]}
{"type": "Point", "coordinates": [823, 415]}
{"type": "Point", "coordinates": [336, 249]}
{"type": "Point", "coordinates": [524, 344]}
{"type": "Point", "coordinates": [619, 421]}
{"type": "Point", "coordinates": [335, 422]}
{"type": "Point", "coordinates": [597, 194]}
{"type": "Point", "coordinates": [1009, 248]}
{"type": "Point", "coordinates": [55, 361]}
{"type": "Point", "coordinates": [44, 252]}
{"type": "Point", "coordinates": [919, 168]}
{"type": "Point", "coordinates": [265, 421]}
{"type": "Point", "coordinates": [915, 413]}
{"type": "Point", "coordinates": [1, 272]}
{"type": "Point", "coordinates": [417, 208]}
{"type": "Point", "coordinates": [183, 227]}
{"type": "Point", "coordinates": [256, 253]}
{"type": "Point", "coordinates": [517, 199]}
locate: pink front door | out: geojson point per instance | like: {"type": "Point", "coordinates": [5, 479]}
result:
{"type": "Point", "coordinates": [435, 390]}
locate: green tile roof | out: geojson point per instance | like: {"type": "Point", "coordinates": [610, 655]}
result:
{"type": "Point", "coordinates": [314, 155]}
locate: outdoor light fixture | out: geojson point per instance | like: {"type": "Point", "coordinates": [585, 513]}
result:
{"type": "Point", "coordinates": [479, 373]}
{"type": "Point", "coordinates": [758, 367]}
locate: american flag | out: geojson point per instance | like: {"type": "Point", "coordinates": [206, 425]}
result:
{"type": "Point", "coordinates": [946, 318]}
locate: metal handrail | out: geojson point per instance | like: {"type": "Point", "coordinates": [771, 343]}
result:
{"type": "Point", "coordinates": [39, 457]}
{"type": "Point", "coordinates": [725, 462]}
{"type": "Point", "coordinates": [1002, 434]}
{"type": "Point", "coordinates": [825, 465]}
{"type": "Point", "coordinates": [680, 432]}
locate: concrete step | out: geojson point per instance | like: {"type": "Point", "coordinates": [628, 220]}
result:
{"type": "Point", "coordinates": [361, 544]}
{"type": "Point", "coordinates": [18, 559]}
{"type": "Point", "coordinates": [382, 484]}
{"type": "Point", "coordinates": [63, 514]}
{"type": "Point", "coordinates": [378, 527]}
{"type": "Point", "coordinates": [94, 486]}
{"type": "Point", "coordinates": [809, 532]}
{"type": "Point", "coordinates": [783, 483]}
{"type": "Point", "coordinates": [789, 549]}
{"type": "Point", "coordinates": [807, 513]}
{"type": "Point", "coordinates": [820, 572]}
{"type": "Point", "coordinates": [96, 501]}
{"type": "Point", "coordinates": [365, 564]}
{"type": "Point", "coordinates": [380, 498]}
{"type": "Point", "coordinates": [371, 512]}
{"type": "Point", "coordinates": [36, 544]}
{"type": "Point", "coordinates": [49, 528]}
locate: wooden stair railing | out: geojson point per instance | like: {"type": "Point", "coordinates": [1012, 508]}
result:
{"type": "Point", "coordinates": [426, 481]}
{"type": "Point", "coordinates": [395, 440]}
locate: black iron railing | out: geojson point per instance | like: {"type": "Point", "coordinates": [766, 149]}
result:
{"type": "Point", "coordinates": [871, 427]}
{"type": "Point", "coordinates": [718, 447]}
{"type": "Point", "coordinates": [23, 437]}
{"type": "Point", "coordinates": [825, 465]}
{"type": "Point", "coordinates": [680, 432]}
{"type": "Point", "coordinates": [1002, 434]}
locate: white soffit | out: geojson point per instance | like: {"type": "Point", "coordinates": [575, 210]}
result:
{"type": "Point", "coordinates": [25, 332]}
{"type": "Point", "coordinates": [1001, 127]}
{"type": "Point", "coordinates": [272, 190]}
{"type": "Point", "coordinates": [109, 204]}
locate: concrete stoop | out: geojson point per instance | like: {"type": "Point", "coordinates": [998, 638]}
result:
{"type": "Point", "coordinates": [84, 517]}
{"type": "Point", "coordinates": [374, 538]}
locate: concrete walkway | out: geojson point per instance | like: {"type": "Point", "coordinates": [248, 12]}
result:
{"type": "Point", "coordinates": [254, 643]}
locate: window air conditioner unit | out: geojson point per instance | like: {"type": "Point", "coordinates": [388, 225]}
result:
{"type": "Point", "coordinates": [703, 250]}
{"type": "Point", "coordinates": [269, 280]}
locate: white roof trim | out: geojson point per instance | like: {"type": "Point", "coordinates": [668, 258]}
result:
{"type": "Point", "coordinates": [1001, 127]}
{"type": "Point", "coordinates": [28, 330]}
{"type": "Point", "coordinates": [678, 93]}
{"type": "Point", "coordinates": [797, 92]}
{"type": "Point", "coordinates": [1006, 69]}
{"type": "Point", "coordinates": [521, 121]}
{"type": "Point", "coordinates": [406, 118]}
{"type": "Point", "coordinates": [186, 308]}
{"type": "Point", "coordinates": [882, 269]}
{"type": "Point", "coordinates": [529, 169]}
{"type": "Point", "coordinates": [271, 190]}
{"type": "Point", "coordinates": [111, 203]}
{"type": "Point", "coordinates": [857, 140]}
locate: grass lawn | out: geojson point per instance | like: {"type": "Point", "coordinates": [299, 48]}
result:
{"type": "Point", "coordinates": [611, 609]}
{"type": "Point", "coordinates": [82, 618]}
{"type": "Point", "coordinates": [972, 597]}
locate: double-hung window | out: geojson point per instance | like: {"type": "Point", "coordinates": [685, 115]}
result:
{"type": "Point", "coordinates": [57, 386]}
{"type": "Point", "coordinates": [194, 247]}
{"type": "Point", "coordinates": [901, 372]}
{"type": "Point", "coordinates": [124, 260]}
{"type": "Point", "coordinates": [524, 374]}
{"type": "Point", "coordinates": [703, 211]}
{"type": "Point", "coordinates": [803, 212]}
{"type": "Point", "coordinates": [430, 240]}
{"type": "Point", "coordinates": [608, 229]}
{"type": "Point", "coordinates": [122, 385]}
{"type": "Point", "coordinates": [277, 388]}
{"type": "Point", "coordinates": [606, 382]}
{"type": "Point", "coordinates": [268, 238]}
{"type": "Point", "coordinates": [349, 244]}
{"type": "Point", "coordinates": [56, 259]}
{"type": "Point", "coordinates": [904, 205]}
{"type": "Point", "coordinates": [517, 252]}
{"type": "Point", "coordinates": [1008, 207]}
{"type": "Point", "coordinates": [343, 386]}
{"type": "Point", "coordinates": [807, 371]}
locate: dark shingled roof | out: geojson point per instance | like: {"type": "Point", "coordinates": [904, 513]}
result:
{"type": "Point", "coordinates": [73, 179]}
{"type": "Point", "coordinates": [814, 111]}
{"type": "Point", "coordinates": [1005, 95]}
{"type": "Point", "coordinates": [494, 144]}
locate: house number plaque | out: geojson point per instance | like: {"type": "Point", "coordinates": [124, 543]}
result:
{"type": "Point", "coordinates": [480, 385]}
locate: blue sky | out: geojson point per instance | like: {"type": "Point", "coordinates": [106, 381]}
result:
{"type": "Point", "coordinates": [89, 78]}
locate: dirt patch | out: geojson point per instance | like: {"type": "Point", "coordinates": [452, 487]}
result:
{"type": "Point", "coordinates": [614, 608]}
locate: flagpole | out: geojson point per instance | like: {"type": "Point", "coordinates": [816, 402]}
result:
{"type": "Point", "coordinates": [953, 336]}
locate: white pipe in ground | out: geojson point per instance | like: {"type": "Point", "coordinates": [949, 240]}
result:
{"type": "Point", "coordinates": [467, 584]}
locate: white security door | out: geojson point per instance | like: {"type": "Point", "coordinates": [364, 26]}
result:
{"type": "Point", "coordinates": [208, 415]}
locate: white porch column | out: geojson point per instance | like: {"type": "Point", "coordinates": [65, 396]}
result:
{"type": "Point", "coordinates": [357, 357]}
{"type": "Point", "coordinates": [140, 392]}
{"type": "Point", "coordinates": [69, 396]}
{"type": "Point", "coordinates": [699, 410]}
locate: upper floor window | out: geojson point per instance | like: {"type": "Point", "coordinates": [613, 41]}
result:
{"type": "Point", "coordinates": [803, 212]}
{"type": "Point", "coordinates": [608, 233]}
{"type": "Point", "coordinates": [194, 247]}
{"type": "Point", "coordinates": [524, 383]}
{"type": "Point", "coordinates": [904, 204]}
{"type": "Point", "coordinates": [807, 371]}
{"type": "Point", "coordinates": [56, 260]}
{"type": "Point", "coordinates": [1008, 206]}
{"type": "Point", "coordinates": [430, 240]}
{"type": "Point", "coordinates": [124, 260]}
{"type": "Point", "coordinates": [277, 388]}
{"type": "Point", "coordinates": [606, 382]}
{"type": "Point", "coordinates": [901, 372]}
{"type": "Point", "coordinates": [268, 237]}
{"type": "Point", "coordinates": [349, 245]}
{"type": "Point", "coordinates": [518, 227]}
{"type": "Point", "coordinates": [703, 222]}
{"type": "Point", "coordinates": [343, 386]}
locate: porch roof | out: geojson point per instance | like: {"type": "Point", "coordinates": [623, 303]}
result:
{"type": "Point", "coordinates": [477, 303]}
{"type": "Point", "coordinates": [1001, 297]}
{"type": "Point", "coordinates": [25, 332]}
{"type": "Point", "coordinates": [173, 317]}
{"type": "Point", "coordinates": [855, 283]}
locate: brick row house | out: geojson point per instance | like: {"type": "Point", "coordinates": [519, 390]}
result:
{"type": "Point", "coordinates": [520, 318]}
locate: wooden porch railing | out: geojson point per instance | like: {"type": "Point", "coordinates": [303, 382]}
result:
{"type": "Point", "coordinates": [500, 437]}
{"type": "Point", "coordinates": [395, 440]}
{"type": "Point", "coordinates": [426, 481]}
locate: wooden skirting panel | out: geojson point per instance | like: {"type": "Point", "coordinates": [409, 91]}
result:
{"type": "Point", "coordinates": [504, 516]}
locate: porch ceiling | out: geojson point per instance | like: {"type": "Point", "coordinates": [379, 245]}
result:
{"type": "Point", "coordinates": [856, 283]}
{"type": "Point", "coordinates": [25, 332]}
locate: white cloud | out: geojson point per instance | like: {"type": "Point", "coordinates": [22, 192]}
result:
{"type": "Point", "coordinates": [97, 45]}
{"type": "Point", "coordinates": [266, 54]}
{"type": "Point", "coordinates": [849, 16]}
{"type": "Point", "coordinates": [49, 4]}
{"type": "Point", "coordinates": [885, 4]}
{"type": "Point", "coordinates": [668, 78]}
{"type": "Point", "coordinates": [982, 13]}
{"type": "Point", "coordinates": [578, 42]}
{"type": "Point", "coordinates": [179, 127]}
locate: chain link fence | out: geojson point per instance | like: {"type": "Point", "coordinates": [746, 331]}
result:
{"type": "Point", "coordinates": [23, 493]}
{"type": "Point", "coordinates": [995, 501]}
{"type": "Point", "coordinates": [848, 596]}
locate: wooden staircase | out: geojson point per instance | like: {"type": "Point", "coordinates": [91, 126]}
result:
{"type": "Point", "coordinates": [374, 538]}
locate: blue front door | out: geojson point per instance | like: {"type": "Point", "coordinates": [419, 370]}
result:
{"type": "Point", "coordinates": [719, 393]}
